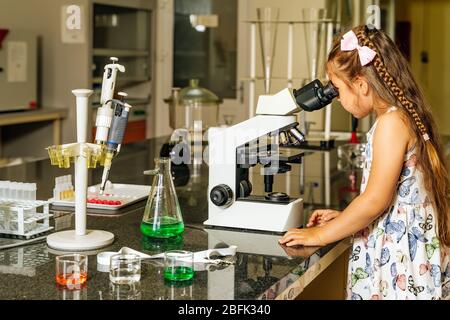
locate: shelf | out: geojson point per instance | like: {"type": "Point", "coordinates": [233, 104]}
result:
{"type": "Point", "coordinates": [99, 80]}
{"type": "Point", "coordinates": [120, 53]}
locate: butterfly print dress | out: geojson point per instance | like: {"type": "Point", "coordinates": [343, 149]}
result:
{"type": "Point", "coordinates": [399, 255]}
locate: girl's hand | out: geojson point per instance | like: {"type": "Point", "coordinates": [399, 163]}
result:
{"type": "Point", "coordinates": [305, 237]}
{"type": "Point", "coordinates": [299, 251]}
{"type": "Point", "coordinates": [320, 217]}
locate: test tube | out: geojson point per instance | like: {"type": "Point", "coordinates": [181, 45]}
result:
{"type": "Point", "coordinates": [6, 189]}
{"type": "Point", "coordinates": [27, 191]}
{"type": "Point", "coordinates": [13, 190]}
{"type": "Point", "coordinates": [20, 194]}
{"type": "Point", "coordinates": [33, 189]}
{"type": "Point", "coordinates": [2, 190]}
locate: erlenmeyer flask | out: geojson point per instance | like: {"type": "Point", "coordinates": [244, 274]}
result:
{"type": "Point", "coordinates": [268, 25]}
{"type": "Point", "coordinates": [162, 216]}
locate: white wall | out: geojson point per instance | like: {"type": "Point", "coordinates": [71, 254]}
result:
{"type": "Point", "coordinates": [163, 66]}
{"type": "Point", "coordinates": [62, 67]}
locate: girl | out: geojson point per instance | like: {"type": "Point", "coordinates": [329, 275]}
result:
{"type": "Point", "coordinates": [402, 214]}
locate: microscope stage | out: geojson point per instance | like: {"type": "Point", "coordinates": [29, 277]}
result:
{"type": "Point", "coordinates": [266, 199]}
{"type": "Point", "coordinates": [285, 155]}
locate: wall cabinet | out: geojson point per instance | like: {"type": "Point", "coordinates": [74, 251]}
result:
{"type": "Point", "coordinates": [126, 33]}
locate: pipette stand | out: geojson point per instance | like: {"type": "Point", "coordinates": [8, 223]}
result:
{"type": "Point", "coordinates": [84, 154]}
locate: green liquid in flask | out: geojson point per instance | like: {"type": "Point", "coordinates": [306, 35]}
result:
{"type": "Point", "coordinates": [169, 227]}
{"type": "Point", "coordinates": [178, 273]}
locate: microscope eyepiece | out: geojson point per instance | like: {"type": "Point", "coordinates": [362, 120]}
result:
{"type": "Point", "coordinates": [315, 96]}
{"type": "Point", "coordinates": [330, 91]}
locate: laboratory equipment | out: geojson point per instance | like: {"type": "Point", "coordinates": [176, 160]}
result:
{"type": "Point", "coordinates": [178, 290]}
{"type": "Point", "coordinates": [115, 136]}
{"type": "Point", "coordinates": [130, 291]}
{"type": "Point", "coordinates": [111, 124]}
{"type": "Point", "coordinates": [315, 96]}
{"type": "Point", "coordinates": [11, 190]}
{"type": "Point", "coordinates": [63, 188]}
{"type": "Point", "coordinates": [351, 156]}
{"type": "Point", "coordinates": [162, 215]}
{"type": "Point", "coordinates": [18, 70]}
{"type": "Point", "coordinates": [178, 265]}
{"type": "Point", "coordinates": [192, 104]}
{"type": "Point", "coordinates": [154, 245]}
{"type": "Point", "coordinates": [318, 41]}
{"type": "Point", "coordinates": [125, 269]}
{"type": "Point", "coordinates": [316, 37]}
{"type": "Point", "coordinates": [192, 111]}
{"type": "Point", "coordinates": [72, 270]}
{"type": "Point", "coordinates": [105, 112]}
{"type": "Point", "coordinates": [200, 258]}
{"type": "Point", "coordinates": [72, 294]}
{"type": "Point", "coordinates": [115, 197]}
{"type": "Point", "coordinates": [20, 213]}
{"type": "Point", "coordinates": [354, 135]}
{"type": "Point", "coordinates": [268, 26]}
{"type": "Point", "coordinates": [85, 155]}
{"type": "Point", "coordinates": [256, 141]}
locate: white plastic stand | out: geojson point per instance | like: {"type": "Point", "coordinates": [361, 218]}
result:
{"type": "Point", "coordinates": [80, 239]}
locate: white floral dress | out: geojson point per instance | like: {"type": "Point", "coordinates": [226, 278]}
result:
{"type": "Point", "coordinates": [399, 256]}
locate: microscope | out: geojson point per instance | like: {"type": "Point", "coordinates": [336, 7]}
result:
{"type": "Point", "coordinates": [256, 142]}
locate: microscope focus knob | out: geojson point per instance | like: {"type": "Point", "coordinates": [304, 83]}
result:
{"type": "Point", "coordinates": [221, 195]}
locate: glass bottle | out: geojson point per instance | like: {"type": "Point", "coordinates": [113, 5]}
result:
{"type": "Point", "coordinates": [162, 216]}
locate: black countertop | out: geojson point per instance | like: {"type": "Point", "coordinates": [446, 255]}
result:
{"type": "Point", "coordinates": [262, 270]}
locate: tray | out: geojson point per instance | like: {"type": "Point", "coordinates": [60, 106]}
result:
{"type": "Point", "coordinates": [125, 193]}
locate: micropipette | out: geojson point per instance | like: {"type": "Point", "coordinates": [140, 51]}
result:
{"type": "Point", "coordinates": [105, 112]}
{"type": "Point", "coordinates": [115, 136]}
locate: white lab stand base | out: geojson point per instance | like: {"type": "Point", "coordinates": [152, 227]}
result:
{"type": "Point", "coordinates": [69, 241]}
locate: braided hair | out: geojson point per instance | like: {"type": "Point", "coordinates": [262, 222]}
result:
{"type": "Point", "coordinates": [390, 82]}
{"type": "Point", "coordinates": [390, 76]}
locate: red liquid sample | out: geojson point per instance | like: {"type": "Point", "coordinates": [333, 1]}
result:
{"type": "Point", "coordinates": [71, 279]}
{"type": "Point", "coordinates": [105, 202]}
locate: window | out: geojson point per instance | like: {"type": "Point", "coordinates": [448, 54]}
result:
{"type": "Point", "coordinates": [209, 55]}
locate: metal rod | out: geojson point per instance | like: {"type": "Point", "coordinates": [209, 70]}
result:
{"type": "Point", "coordinates": [252, 87]}
{"type": "Point", "coordinates": [327, 128]}
{"type": "Point", "coordinates": [290, 54]}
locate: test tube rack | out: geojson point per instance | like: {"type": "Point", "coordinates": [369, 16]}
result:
{"type": "Point", "coordinates": [21, 215]}
{"type": "Point", "coordinates": [85, 156]}
{"type": "Point", "coordinates": [24, 218]}
{"type": "Point", "coordinates": [64, 155]}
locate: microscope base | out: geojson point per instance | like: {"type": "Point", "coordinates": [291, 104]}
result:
{"type": "Point", "coordinates": [247, 242]}
{"type": "Point", "coordinates": [69, 241]}
{"type": "Point", "coordinates": [253, 215]}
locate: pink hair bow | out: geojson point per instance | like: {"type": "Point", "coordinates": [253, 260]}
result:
{"type": "Point", "coordinates": [349, 42]}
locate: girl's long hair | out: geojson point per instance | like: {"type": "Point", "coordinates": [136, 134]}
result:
{"type": "Point", "coordinates": [390, 76]}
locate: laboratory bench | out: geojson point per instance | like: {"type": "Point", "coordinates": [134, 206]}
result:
{"type": "Point", "coordinates": [39, 115]}
{"type": "Point", "coordinates": [261, 269]}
